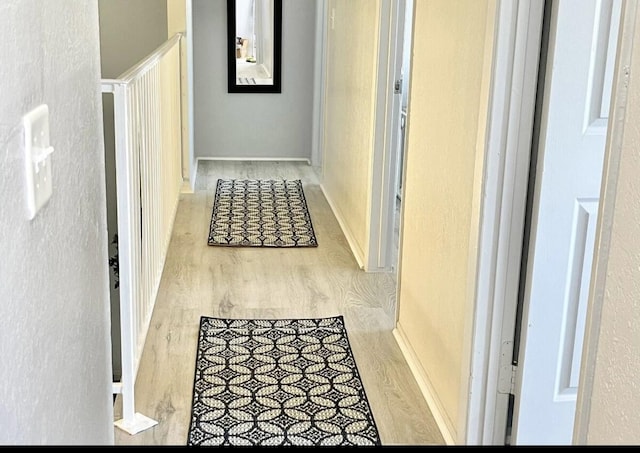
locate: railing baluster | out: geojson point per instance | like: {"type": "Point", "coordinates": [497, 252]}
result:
{"type": "Point", "coordinates": [149, 179]}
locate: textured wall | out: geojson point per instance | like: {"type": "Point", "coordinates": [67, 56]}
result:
{"type": "Point", "coordinates": [129, 31]}
{"type": "Point", "coordinates": [352, 58]}
{"type": "Point", "coordinates": [614, 416]}
{"type": "Point", "coordinates": [55, 361]}
{"type": "Point", "coordinates": [176, 17]}
{"type": "Point", "coordinates": [253, 125]}
{"type": "Point", "coordinates": [177, 23]}
{"type": "Point", "coordinates": [446, 106]}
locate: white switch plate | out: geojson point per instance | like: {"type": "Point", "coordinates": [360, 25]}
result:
{"type": "Point", "coordinates": [37, 158]}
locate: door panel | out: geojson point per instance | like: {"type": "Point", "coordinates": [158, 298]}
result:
{"type": "Point", "coordinates": [582, 43]}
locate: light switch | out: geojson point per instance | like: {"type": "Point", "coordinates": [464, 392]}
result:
{"type": "Point", "coordinates": [37, 158]}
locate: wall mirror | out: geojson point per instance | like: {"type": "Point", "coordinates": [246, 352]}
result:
{"type": "Point", "coordinates": [254, 42]}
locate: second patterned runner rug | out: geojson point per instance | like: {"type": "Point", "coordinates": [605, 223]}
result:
{"type": "Point", "coordinates": [260, 213]}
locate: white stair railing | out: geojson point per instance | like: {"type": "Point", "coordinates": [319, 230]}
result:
{"type": "Point", "coordinates": [148, 152]}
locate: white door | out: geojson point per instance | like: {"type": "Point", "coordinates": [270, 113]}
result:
{"type": "Point", "coordinates": [579, 73]}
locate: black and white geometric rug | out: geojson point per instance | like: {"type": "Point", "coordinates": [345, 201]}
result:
{"type": "Point", "coordinates": [278, 382]}
{"type": "Point", "coordinates": [261, 213]}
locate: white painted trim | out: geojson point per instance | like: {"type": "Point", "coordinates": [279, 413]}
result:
{"type": "Point", "coordinates": [382, 205]}
{"type": "Point", "coordinates": [186, 188]}
{"type": "Point", "coordinates": [512, 107]}
{"type": "Point", "coordinates": [257, 159]}
{"type": "Point", "coordinates": [319, 80]}
{"type": "Point", "coordinates": [428, 392]}
{"type": "Point", "coordinates": [357, 253]}
{"type": "Point", "coordinates": [136, 424]}
{"type": "Point", "coordinates": [602, 247]}
{"type": "Point", "coordinates": [193, 163]}
{"type": "Point", "coordinates": [486, 101]}
{"type": "Point", "coordinates": [398, 257]}
{"type": "Point", "coordinates": [128, 277]}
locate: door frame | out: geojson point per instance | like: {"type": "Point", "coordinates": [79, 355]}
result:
{"type": "Point", "coordinates": [319, 83]}
{"type": "Point", "coordinates": [193, 162]}
{"type": "Point", "coordinates": [382, 197]}
{"type": "Point", "coordinates": [512, 108]}
{"type": "Point", "coordinates": [384, 168]}
{"type": "Point", "coordinates": [510, 130]}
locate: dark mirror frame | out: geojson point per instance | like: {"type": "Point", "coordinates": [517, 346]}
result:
{"type": "Point", "coordinates": [277, 52]}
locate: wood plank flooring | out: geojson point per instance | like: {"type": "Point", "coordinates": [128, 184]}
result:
{"type": "Point", "coordinates": [201, 280]}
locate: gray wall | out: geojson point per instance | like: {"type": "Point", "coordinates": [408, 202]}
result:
{"type": "Point", "coordinates": [265, 126]}
{"type": "Point", "coordinates": [129, 31]}
{"type": "Point", "coordinates": [55, 360]}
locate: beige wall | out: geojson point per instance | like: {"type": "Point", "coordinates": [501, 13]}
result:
{"type": "Point", "coordinates": [349, 115]}
{"type": "Point", "coordinates": [176, 17]}
{"type": "Point", "coordinates": [129, 31]}
{"type": "Point", "coordinates": [613, 416]}
{"type": "Point", "coordinates": [447, 119]}
{"type": "Point", "coordinates": [177, 23]}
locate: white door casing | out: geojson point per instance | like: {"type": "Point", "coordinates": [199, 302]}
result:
{"type": "Point", "coordinates": [380, 256]}
{"type": "Point", "coordinates": [581, 59]}
{"type": "Point", "coordinates": [512, 107]}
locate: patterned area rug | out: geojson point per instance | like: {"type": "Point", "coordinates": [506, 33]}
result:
{"type": "Point", "coordinates": [261, 213]}
{"type": "Point", "coordinates": [278, 382]}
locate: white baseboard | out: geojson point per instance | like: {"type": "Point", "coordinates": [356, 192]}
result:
{"type": "Point", "coordinates": [357, 253]}
{"type": "Point", "coordinates": [425, 387]}
{"type": "Point", "coordinates": [186, 187]}
{"type": "Point", "coordinates": [257, 159]}
{"type": "Point", "coordinates": [246, 159]}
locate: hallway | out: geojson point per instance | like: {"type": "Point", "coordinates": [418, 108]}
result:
{"type": "Point", "coordinates": [200, 280]}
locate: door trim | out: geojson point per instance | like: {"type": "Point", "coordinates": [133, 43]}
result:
{"type": "Point", "coordinates": [382, 198]}
{"type": "Point", "coordinates": [512, 106]}
{"type": "Point", "coordinates": [193, 163]}
{"type": "Point", "coordinates": [613, 152]}
{"type": "Point", "coordinates": [319, 83]}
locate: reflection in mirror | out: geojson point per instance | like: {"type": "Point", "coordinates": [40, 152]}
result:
{"type": "Point", "coordinates": [254, 30]}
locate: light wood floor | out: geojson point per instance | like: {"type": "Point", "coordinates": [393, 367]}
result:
{"type": "Point", "coordinates": [200, 280]}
